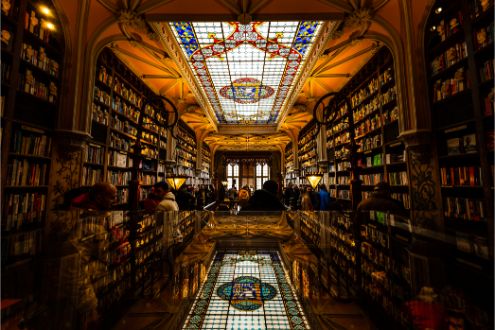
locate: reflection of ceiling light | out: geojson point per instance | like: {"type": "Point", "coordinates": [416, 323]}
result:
{"type": "Point", "coordinates": [314, 179]}
{"type": "Point", "coordinates": [438, 10]}
{"type": "Point", "coordinates": [433, 28]}
{"type": "Point", "coordinates": [45, 10]}
{"type": "Point", "coordinates": [50, 26]}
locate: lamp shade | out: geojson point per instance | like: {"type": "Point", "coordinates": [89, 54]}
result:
{"type": "Point", "coordinates": [225, 183]}
{"type": "Point", "coordinates": [176, 181]}
{"type": "Point", "coordinates": [314, 179]}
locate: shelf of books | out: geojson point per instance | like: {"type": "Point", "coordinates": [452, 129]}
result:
{"type": "Point", "coordinates": [118, 100]}
{"type": "Point", "coordinates": [32, 58]}
{"type": "Point", "coordinates": [385, 273]}
{"type": "Point", "coordinates": [339, 247]}
{"type": "Point", "coordinates": [459, 57]}
{"type": "Point", "coordinates": [374, 117]}
{"type": "Point", "coordinates": [306, 152]}
{"type": "Point", "coordinates": [186, 151]}
{"type": "Point", "coordinates": [290, 174]}
{"type": "Point", "coordinates": [205, 174]}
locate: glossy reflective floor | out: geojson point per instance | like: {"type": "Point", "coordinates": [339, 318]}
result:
{"type": "Point", "coordinates": [246, 290]}
{"type": "Point", "coordinates": [245, 272]}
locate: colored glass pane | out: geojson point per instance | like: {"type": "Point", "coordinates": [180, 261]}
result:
{"type": "Point", "coordinates": [246, 291]}
{"type": "Point", "coordinates": [246, 71]}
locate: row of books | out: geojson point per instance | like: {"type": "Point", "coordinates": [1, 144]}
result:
{"type": "Point", "coordinates": [37, 87]}
{"type": "Point", "coordinates": [90, 176]}
{"type": "Point", "coordinates": [119, 178]}
{"type": "Point", "coordinates": [24, 209]}
{"type": "Point", "coordinates": [26, 173]}
{"type": "Point", "coordinates": [444, 88]}
{"type": "Point", "coordinates": [119, 159]}
{"type": "Point", "coordinates": [28, 141]}
{"type": "Point", "coordinates": [38, 57]}
{"type": "Point", "coordinates": [147, 179]}
{"type": "Point", "coordinates": [461, 176]}
{"type": "Point", "coordinates": [464, 208]}
{"type": "Point", "coordinates": [95, 154]}
{"type": "Point", "coordinates": [374, 104]}
{"type": "Point", "coordinates": [486, 70]}
{"type": "Point", "coordinates": [398, 178]}
{"type": "Point", "coordinates": [372, 179]}
{"type": "Point", "coordinates": [450, 57]}
{"type": "Point", "coordinates": [373, 86]}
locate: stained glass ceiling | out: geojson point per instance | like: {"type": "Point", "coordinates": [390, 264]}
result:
{"type": "Point", "coordinates": [246, 71]}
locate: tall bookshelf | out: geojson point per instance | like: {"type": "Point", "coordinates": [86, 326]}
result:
{"type": "Point", "coordinates": [290, 174]}
{"type": "Point", "coordinates": [373, 116]}
{"type": "Point", "coordinates": [186, 151]}
{"type": "Point", "coordinates": [306, 152]}
{"type": "Point", "coordinates": [205, 174]}
{"type": "Point", "coordinates": [459, 60]}
{"type": "Point", "coordinates": [32, 61]}
{"type": "Point", "coordinates": [118, 99]}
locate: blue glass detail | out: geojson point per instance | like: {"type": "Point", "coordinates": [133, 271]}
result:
{"type": "Point", "coordinates": [246, 293]}
{"type": "Point", "coordinates": [186, 36]}
{"type": "Point", "coordinates": [304, 35]}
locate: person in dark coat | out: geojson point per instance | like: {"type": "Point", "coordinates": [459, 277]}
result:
{"type": "Point", "coordinates": [381, 200]}
{"type": "Point", "coordinates": [265, 199]}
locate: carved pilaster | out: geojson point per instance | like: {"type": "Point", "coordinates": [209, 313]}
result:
{"type": "Point", "coordinates": [65, 173]}
{"type": "Point", "coordinates": [426, 203]}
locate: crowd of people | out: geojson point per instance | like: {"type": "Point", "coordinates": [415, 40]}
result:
{"type": "Point", "coordinates": [269, 198]}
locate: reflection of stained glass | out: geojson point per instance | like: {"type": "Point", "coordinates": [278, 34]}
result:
{"type": "Point", "coordinates": [224, 56]}
{"type": "Point", "coordinates": [246, 291]}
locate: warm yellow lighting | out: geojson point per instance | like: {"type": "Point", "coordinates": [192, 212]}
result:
{"type": "Point", "coordinates": [225, 183]}
{"type": "Point", "coordinates": [45, 10]}
{"type": "Point", "coordinates": [433, 28]}
{"type": "Point", "coordinates": [50, 26]}
{"type": "Point", "coordinates": [438, 10]}
{"type": "Point", "coordinates": [175, 182]}
{"type": "Point", "coordinates": [314, 179]}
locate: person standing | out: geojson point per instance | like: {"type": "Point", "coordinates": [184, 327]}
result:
{"type": "Point", "coordinates": [265, 199]}
{"type": "Point", "coordinates": [168, 202]}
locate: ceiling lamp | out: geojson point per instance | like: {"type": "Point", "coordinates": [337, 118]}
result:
{"type": "Point", "coordinates": [314, 179]}
{"type": "Point", "coordinates": [175, 181]}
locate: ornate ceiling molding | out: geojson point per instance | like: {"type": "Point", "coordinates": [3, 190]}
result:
{"type": "Point", "coordinates": [168, 42]}
{"type": "Point", "coordinates": [320, 41]}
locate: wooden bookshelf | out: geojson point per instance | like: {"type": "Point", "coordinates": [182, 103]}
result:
{"type": "Point", "coordinates": [117, 105]}
{"type": "Point", "coordinates": [374, 118]}
{"type": "Point", "coordinates": [459, 57]}
{"type": "Point", "coordinates": [32, 61]}
{"type": "Point", "coordinates": [306, 152]}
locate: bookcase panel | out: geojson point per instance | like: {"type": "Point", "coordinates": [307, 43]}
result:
{"type": "Point", "coordinates": [120, 113]}
{"type": "Point", "coordinates": [460, 71]}
{"type": "Point", "coordinates": [32, 60]}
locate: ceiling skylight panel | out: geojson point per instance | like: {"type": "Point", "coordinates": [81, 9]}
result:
{"type": "Point", "coordinates": [253, 64]}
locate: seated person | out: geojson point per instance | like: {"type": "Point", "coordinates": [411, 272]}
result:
{"type": "Point", "coordinates": [265, 199]}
